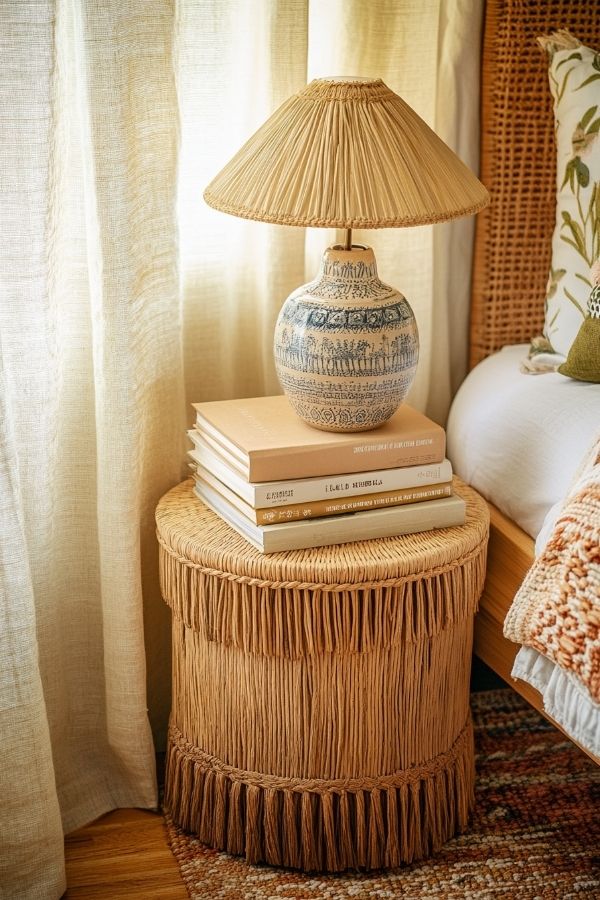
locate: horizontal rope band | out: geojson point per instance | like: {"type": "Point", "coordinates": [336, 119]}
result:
{"type": "Point", "coordinates": [323, 586]}
{"type": "Point", "coordinates": [423, 771]}
{"type": "Point", "coordinates": [428, 218]}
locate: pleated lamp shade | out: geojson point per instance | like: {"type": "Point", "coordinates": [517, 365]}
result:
{"type": "Point", "coordinates": [346, 153]}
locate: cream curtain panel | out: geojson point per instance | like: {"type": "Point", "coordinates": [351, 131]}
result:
{"type": "Point", "coordinates": [91, 398]}
{"type": "Point", "coordinates": [122, 299]}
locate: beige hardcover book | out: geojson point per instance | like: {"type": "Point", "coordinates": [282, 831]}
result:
{"type": "Point", "coordinates": [316, 509]}
{"type": "Point", "coordinates": [358, 526]}
{"type": "Point", "coordinates": [270, 443]}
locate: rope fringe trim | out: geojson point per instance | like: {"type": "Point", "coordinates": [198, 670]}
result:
{"type": "Point", "coordinates": [318, 825]}
{"type": "Point", "coordinates": [295, 619]}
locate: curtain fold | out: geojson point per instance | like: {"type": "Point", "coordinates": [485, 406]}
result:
{"type": "Point", "coordinates": [123, 299]}
{"type": "Point", "coordinates": [398, 43]}
{"type": "Point", "coordinates": [237, 61]}
{"type": "Point", "coordinates": [457, 123]}
{"type": "Point", "coordinates": [30, 818]}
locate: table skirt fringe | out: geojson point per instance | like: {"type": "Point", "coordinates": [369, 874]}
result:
{"type": "Point", "coordinates": [319, 825]}
{"type": "Point", "coordinates": [295, 619]}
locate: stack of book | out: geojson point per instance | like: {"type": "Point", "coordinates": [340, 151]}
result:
{"type": "Point", "coordinates": [286, 486]}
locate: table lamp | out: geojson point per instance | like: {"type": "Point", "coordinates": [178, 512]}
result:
{"type": "Point", "coordinates": [346, 153]}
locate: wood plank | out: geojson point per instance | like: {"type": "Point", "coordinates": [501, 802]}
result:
{"type": "Point", "coordinates": [510, 554]}
{"type": "Point", "coordinates": [123, 854]}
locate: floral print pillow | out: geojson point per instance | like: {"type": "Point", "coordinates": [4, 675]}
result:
{"type": "Point", "coordinates": [574, 73]}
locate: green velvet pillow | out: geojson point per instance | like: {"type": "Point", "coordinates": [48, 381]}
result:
{"type": "Point", "coordinates": [583, 361]}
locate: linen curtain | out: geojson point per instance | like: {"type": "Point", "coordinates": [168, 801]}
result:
{"type": "Point", "coordinates": [91, 421]}
{"type": "Point", "coordinates": [123, 299]}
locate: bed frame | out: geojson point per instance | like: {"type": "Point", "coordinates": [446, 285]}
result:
{"type": "Point", "coordinates": [513, 249]}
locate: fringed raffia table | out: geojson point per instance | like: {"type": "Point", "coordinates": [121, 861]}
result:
{"type": "Point", "coordinates": [320, 714]}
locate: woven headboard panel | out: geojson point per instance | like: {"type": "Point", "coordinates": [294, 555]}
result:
{"type": "Point", "coordinates": [518, 166]}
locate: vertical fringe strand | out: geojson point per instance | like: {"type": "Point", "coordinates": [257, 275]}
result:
{"type": "Point", "coordinates": [291, 841]}
{"type": "Point", "coordinates": [272, 825]}
{"type": "Point", "coordinates": [255, 846]}
{"type": "Point", "coordinates": [236, 818]}
{"type": "Point", "coordinates": [308, 838]}
{"type": "Point", "coordinates": [346, 844]}
{"type": "Point", "coordinates": [392, 830]}
{"type": "Point", "coordinates": [376, 839]}
{"type": "Point", "coordinates": [329, 831]}
{"type": "Point", "coordinates": [205, 832]}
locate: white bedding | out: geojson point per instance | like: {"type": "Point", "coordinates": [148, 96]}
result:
{"type": "Point", "coordinates": [518, 439]}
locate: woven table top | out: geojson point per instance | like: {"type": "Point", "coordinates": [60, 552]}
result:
{"type": "Point", "coordinates": [191, 532]}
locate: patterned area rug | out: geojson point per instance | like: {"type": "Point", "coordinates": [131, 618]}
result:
{"type": "Point", "coordinates": [535, 832]}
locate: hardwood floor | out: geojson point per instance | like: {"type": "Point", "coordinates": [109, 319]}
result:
{"type": "Point", "coordinates": [124, 854]}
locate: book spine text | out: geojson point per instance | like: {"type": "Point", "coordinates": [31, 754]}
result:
{"type": "Point", "coordinates": [423, 449]}
{"type": "Point", "coordinates": [340, 505]}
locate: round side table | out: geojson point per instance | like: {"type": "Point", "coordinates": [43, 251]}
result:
{"type": "Point", "coordinates": [320, 715]}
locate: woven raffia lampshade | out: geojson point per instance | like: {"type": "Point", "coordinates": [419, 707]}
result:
{"type": "Point", "coordinates": [346, 153]}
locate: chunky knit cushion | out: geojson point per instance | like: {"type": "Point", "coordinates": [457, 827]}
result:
{"type": "Point", "coordinates": [556, 611]}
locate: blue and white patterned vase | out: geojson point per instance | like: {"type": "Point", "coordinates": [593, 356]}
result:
{"type": "Point", "coordinates": [346, 345]}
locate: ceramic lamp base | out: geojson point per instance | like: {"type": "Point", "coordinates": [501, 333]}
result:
{"type": "Point", "coordinates": [346, 345]}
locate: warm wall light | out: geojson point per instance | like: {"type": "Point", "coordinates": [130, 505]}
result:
{"type": "Point", "coordinates": [346, 153]}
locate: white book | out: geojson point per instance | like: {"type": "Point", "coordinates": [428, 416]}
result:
{"type": "Point", "coordinates": [359, 526]}
{"type": "Point", "coordinates": [326, 487]}
{"type": "Point", "coordinates": [314, 509]}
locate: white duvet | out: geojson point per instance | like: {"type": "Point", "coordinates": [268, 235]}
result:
{"type": "Point", "coordinates": [518, 439]}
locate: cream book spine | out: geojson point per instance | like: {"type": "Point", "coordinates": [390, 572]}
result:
{"type": "Point", "coordinates": [302, 490]}
{"type": "Point", "coordinates": [360, 526]}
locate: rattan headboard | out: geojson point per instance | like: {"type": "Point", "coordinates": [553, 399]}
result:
{"type": "Point", "coordinates": [513, 235]}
